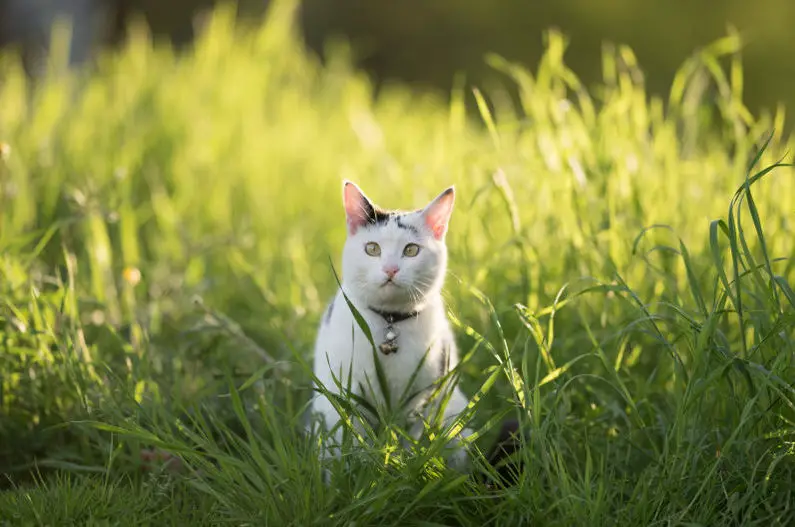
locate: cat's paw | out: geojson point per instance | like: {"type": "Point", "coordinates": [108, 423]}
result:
{"type": "Point", "coordinates": [459, 456]}
{"type": "Point", "coordinates": [458, 459]}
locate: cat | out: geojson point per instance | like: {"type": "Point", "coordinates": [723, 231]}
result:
{"type": "Point", "coordinates": [393, 269]}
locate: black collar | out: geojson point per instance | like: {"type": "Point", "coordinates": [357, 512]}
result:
{"type": "Point", "coordinates": [393, 317]}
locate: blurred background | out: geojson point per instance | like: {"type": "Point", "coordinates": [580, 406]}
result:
{"type": "Point", "coordinates": [427, 42]}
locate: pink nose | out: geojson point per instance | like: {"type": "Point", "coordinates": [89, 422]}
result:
{"type": "Point", "coordinates": [391, 271]}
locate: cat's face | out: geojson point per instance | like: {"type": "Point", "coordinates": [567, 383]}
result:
{"type": "Point", "coordinates": [394, 260]}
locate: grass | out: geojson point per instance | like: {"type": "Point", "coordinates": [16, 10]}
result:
{"type": "Point", "coordinates": [620, 270]}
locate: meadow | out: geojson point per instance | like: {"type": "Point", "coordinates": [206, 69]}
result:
{"type": "Point", "coordinates": [620, 282]}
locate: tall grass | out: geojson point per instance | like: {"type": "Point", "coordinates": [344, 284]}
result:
{"type": "Point", "coordinates": [620, 283]}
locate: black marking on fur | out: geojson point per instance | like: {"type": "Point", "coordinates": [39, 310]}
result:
{"type": "Point", "coordinates": [329, 310]}
{"type": "Point", "coordinates": [381, 216]}
{"type": "Point", "coordinates": [376, 215]}
{"type": "Point", "coordinates": [406, 226]}
{"type": "Point", "coordinates": [444, 363]}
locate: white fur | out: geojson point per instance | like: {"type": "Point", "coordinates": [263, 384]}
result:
{"type": "Point", "coordinates": [341, 343]}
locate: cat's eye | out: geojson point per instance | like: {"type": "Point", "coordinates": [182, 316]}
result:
{"type": "Point", "coordinates": [411, 250]}
{"type": "Point", "coordinates": [372, 248]}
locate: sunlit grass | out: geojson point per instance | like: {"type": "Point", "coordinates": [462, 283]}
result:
{"type": "Point", "coordinates": [619, 279]}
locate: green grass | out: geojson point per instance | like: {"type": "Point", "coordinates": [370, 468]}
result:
{"type": "Point", "coordinates": [619, 270]}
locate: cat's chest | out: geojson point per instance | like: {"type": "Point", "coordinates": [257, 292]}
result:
{"type": "Point", "coordinates": [413, 360]}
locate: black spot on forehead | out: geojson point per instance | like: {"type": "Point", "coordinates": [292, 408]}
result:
{"type": "Point", "coordinates": [381, 216]}
{"type": "Point", "coordinates": [376, 215]}
{"type": "Point", "coordinates": [399, 220]}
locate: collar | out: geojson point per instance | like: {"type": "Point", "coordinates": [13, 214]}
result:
{"type": "Point", "coordinates": [393, 317]}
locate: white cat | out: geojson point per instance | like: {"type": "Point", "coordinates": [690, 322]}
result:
{"type": "Point", "coordinates": [393, 269]}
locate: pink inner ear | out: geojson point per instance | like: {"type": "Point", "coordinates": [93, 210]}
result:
{"type": "Point", "coordinates": [437, 216]}
{"type": "Point", "coordinates": [355, 207]}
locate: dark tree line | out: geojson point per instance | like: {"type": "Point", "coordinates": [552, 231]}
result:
{"type": "Point", "coordinates": [427, 42]}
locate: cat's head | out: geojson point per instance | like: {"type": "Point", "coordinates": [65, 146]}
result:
{"type": "Point", "coordinates": [394, 260]}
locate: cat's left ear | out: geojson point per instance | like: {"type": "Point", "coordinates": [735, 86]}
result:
{"type": "Point", "coordinates": [437, 213]}
{"type": "Point", "coordinates": [358, 208]}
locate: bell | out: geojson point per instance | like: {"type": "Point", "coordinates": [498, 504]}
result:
{"type": "Point", "coordinates": [388, 348]}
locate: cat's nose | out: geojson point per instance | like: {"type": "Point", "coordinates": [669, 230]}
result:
{"type": "Point", "coordinates": [391, 270]}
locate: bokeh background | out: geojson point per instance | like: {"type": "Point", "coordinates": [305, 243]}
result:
{"type": "Point", "coordinates": [169, 223]}
{"type": "Point", "coordinates": [427, 42]}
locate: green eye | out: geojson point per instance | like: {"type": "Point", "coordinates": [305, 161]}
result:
{"type": "Point", "coordinates": [372, 248]}
{"type": "Point", "coordinates": [411, 250]}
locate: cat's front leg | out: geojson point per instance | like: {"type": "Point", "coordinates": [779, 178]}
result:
{"type": "Point", "coordinates": [334, 426]}
{"type": "Point", "coordinates": [457, 455]}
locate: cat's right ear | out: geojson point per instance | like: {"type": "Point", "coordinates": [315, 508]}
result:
{"type": "Point", "coordinates": [358, 209]}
